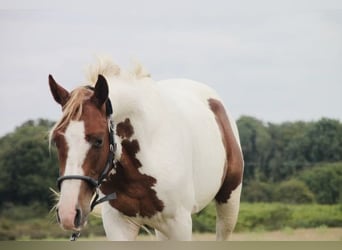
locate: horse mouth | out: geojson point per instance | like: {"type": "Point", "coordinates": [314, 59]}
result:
{"type": "Point", "coordinates": [78, 219]}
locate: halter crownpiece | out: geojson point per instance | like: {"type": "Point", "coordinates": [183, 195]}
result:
{"type": "Point", "coordinates": [109, 165]}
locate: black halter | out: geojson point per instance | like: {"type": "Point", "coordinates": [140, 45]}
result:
{"type": "Point", "coordinates": [93, 183]}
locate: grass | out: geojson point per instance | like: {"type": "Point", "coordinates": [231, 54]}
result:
{"type": "Point", "coordinates": [311, 234]}
{"type": "Point", "coordinates": [260, 217]}
{"type": "Point", "coordinates": [290, 234]}
{"type": "Point", "coordinates": [254, 219]}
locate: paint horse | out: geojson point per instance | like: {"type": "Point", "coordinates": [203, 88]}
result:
{"type": "Point", "coordinates": [153, 153]}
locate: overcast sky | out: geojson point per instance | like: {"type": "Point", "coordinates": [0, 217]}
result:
{"type": "Point", "coordinates": [280, 62]}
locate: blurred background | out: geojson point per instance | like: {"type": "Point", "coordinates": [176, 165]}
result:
{"type": "Point", "coordinates": [277, 67]}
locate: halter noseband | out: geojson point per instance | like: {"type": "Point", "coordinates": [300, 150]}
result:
{"type": "Point", "coordinates": [93, 183]}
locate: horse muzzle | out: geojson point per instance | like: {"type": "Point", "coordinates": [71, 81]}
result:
{"type": "Point", "coordinates": [71, 219]}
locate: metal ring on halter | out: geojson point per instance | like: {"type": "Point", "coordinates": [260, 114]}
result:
{"type": "Point", "coordinates": [74, 236]}
{"type": "Point", "coordinates": [111, 123]}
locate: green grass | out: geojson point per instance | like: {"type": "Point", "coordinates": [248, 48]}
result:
{"type": "Point", "coordinates": [274, 216]}
{"type": "Point", "coordinates": [34, 223]}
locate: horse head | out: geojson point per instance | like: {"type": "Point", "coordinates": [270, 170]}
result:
{"type": "Point", "coordinates": [84, 143]}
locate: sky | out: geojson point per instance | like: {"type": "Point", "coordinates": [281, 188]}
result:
{"type": "Point", "coordinates": [275, 60]}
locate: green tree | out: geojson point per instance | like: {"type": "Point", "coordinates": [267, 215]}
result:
{"type": "Point", "coordinates": [257, 191]}
{"type": "Point", "coordinates": [256, 147]}
{"type": "Point", "coordinates": [325, 141]}
{"type": "Point", "coordinates": [289, 142]}
{"type": "Point", "coordinates": [27, 169]}
{"type": "Point", "coordinates": [325, 181]}
{"type": "Point", "coordinates": [293, 191]}
{"type": "Point", "coordinates": [275, 153]}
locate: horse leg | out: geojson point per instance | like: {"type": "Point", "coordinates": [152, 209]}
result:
{"type": "Point", "coordinates": [177, 228]}
{"type": "Point", "coordinates": [160, 235]}
{"type": "Point", "coordinates": [117, 226]}
{"type": "Point", "coordinates": [227, 215]}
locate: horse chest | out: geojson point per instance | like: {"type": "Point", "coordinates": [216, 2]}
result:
{"type": "Point", "coordinates": [135, 195]}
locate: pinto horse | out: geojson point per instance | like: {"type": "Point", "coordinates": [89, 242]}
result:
{"type": "Point", "coordinates": [153, 153]}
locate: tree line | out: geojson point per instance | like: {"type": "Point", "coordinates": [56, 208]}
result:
{"type": "Point", "coordinates": [293, 162]}
{"type": "Point", "coordinates": [296, 162]}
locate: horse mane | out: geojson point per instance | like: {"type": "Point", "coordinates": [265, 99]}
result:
{"type": "Point", "coordinates": [106, 67]}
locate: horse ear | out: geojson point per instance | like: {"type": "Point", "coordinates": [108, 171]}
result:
{"type": "Point", "coordinates": [60, 94]}
{"type": "Point", "coordinates": [100, 91]}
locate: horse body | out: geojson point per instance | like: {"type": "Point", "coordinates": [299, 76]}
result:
{"type": "Point", "coordinates": [204, 151]}
{"type": "Point", "coordinates": [172, 158]}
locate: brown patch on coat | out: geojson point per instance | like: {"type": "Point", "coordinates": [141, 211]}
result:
{"type": "Point", "coordinates": [233, 172]}
{"type": "Point", "coordinates": [125, 129]}
{"type": "Point", "coordinates": [135, 195]}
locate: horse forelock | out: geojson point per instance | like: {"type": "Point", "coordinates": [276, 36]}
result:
{"type": "Point", "coordinates": [73, 108]}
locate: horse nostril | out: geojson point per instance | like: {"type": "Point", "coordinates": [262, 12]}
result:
{"type": "Point", "coordinates": [57, 216]}
{"type": "Point", "coordinates": [77, 221]}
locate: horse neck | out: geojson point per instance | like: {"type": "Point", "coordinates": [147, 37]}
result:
{"type": "Point", "coordinates": [136, 101]}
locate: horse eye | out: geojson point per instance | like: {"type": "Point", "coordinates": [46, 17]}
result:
{"type": "Point", "coordinates": [97, 142]}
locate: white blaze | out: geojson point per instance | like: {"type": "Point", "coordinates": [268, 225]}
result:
{"type": "Point", "coordinates": [78, 148]}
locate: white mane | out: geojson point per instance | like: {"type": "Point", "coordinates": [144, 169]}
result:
{"type": "Point", "coordinates": [106, 67]}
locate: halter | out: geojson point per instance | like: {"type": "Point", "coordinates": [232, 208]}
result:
{"type": "Point", "coordinates": [93, 183]}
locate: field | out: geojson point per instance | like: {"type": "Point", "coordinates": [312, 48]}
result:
{"type": "Point", "coordinates": [312, 234]}
{"type": "Point", "coordinates": [258, 221]}
{"type": "Point", "coordinates": [317, 234]}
